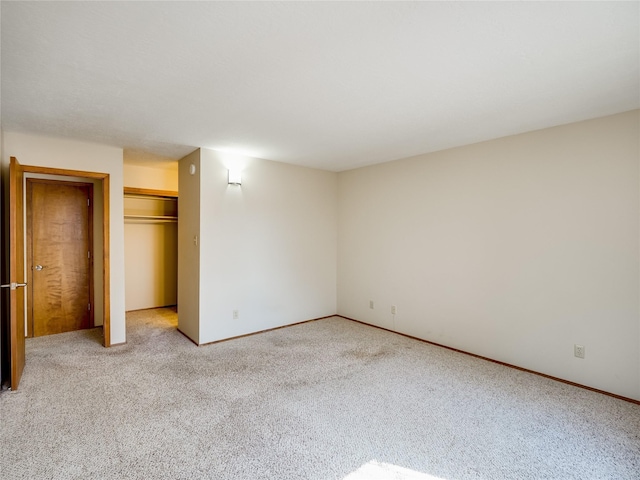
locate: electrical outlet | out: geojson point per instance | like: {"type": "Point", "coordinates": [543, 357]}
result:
{"type": "Point", "coordinates": [235, 314]}
{"type": "Point", "coordinates": [578, 351]}
{"type": "Point", "coordinates": [394, 309]}
{"type": "Point", "coordinates": [371, 304]}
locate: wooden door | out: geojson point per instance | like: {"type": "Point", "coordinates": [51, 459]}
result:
{"type": "Point", "coordinates": [16, 272]}
{"type": "Point", "coordinates": [59, 241]}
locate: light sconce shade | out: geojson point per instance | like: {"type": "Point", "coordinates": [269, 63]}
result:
{"type": "Point", "coordinates": [235, 177]}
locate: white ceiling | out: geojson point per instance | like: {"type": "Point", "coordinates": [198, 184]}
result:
{"type": "Point", "coordinates": [330, 85]}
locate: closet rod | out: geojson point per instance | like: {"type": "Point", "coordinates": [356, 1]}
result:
{"type": "Point", "coordinates": [166, 218]}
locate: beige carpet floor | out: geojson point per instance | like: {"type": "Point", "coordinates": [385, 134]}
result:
{"type": "Point", "coordinates": [329, 399]}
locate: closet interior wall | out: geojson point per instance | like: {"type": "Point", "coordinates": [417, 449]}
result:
{"type": "Point", "coordinates": [151, 248]}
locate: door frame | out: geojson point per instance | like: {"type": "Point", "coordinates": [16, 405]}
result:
{"type": "Point", "coordinates": [103, 178]}
{"type": "Point", "coordinates": [29, 181]}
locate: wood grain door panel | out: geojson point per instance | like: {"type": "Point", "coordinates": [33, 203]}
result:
{"type": "Point", "coordinates": [16, 272]}
{"type": "Point", "coordinates": [59, 231]}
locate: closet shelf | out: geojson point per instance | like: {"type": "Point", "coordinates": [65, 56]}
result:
{"type": "Point", "coordinates": [154, 218]}
{"type": "Point", "coordinates": [145, 192]}
{"type": "Point", "coordinates": [150, 207]}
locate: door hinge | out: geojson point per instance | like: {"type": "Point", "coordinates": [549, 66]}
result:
{"type": "Point", "coordinates": [88, 202]}
{"type": "Point", "coordinates": [88, 254]}
{"type": "Point", "coordinates": [89, 306]}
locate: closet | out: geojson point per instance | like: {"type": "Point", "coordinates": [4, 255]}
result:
{"type": "Point", "coordinates": [151, 248]}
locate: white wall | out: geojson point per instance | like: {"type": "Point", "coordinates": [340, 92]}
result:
{"type": "Point", "coordinates": [267, 248]}
{"type": "Point", "coordinates": [67, 154]}
{"type": "Point", "coordinates": [150, 265]}
{"type": "Point", "coordinates": [188, 249]}
{"type": "Point", "coordinates": [151, 177]}
{"type": "Point", "coordinates": [515, 249]}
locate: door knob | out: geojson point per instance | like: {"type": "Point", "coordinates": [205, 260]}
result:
{"type": "Point", "coordinates": [38, 267]}
{"type": "Point", "coordinates": [13, 285]}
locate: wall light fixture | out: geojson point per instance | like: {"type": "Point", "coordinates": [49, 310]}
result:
{"type": "Point", "coordinates": [235, 177]}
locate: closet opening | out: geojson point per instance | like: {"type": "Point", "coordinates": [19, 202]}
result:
{"type": "Point", "coordinates": [151, 248]}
